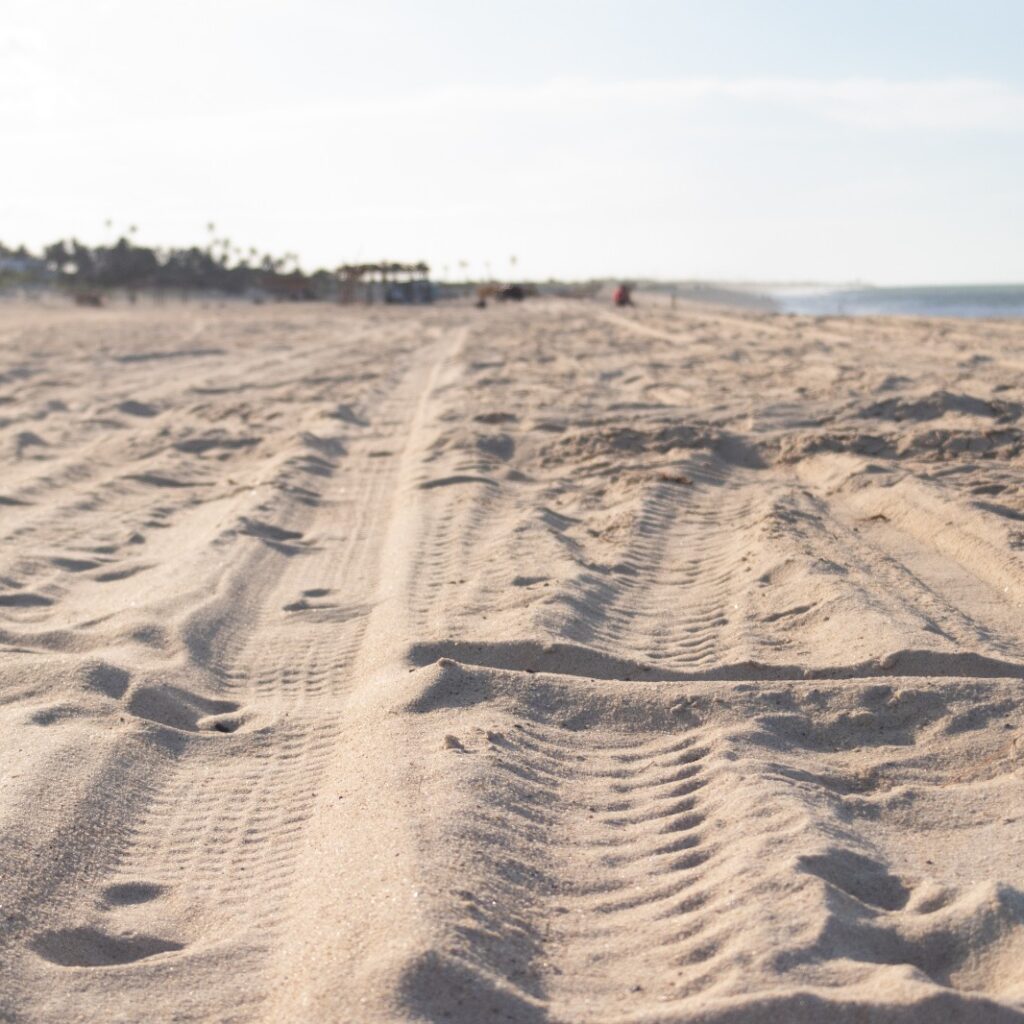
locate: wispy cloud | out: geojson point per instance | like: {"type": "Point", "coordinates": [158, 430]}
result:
{"type": "Point", "coordinates": [33, 85]}
{"type": "Point", "coordinates": [957, 104]}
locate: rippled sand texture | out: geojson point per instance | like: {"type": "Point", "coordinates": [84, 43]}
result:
{"type": "Point", "coordinates": [527, 664]}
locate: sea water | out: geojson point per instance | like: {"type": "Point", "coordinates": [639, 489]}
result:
{"type": "Point", "coordinates": [983, 300]}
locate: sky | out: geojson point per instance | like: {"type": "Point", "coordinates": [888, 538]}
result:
{"type": "Point", "coordinates": [759, 140]}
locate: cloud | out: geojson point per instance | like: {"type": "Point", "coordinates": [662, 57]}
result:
{"type": "Point", "coordinates": [944, 104]}
{"type": "Point", "coordinates": [872, 103]}
{"type": "Point", "coordinates": [34, 85]}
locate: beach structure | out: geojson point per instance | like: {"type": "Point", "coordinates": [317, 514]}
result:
{"type": "Point", "coordinates": [402, 283]}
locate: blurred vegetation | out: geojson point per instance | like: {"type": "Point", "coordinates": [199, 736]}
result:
{"type": "Point", "coordinates": [218, 267]}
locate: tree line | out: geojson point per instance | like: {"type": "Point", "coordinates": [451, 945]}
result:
{"type": "Point", "coordinates": [217, 267]}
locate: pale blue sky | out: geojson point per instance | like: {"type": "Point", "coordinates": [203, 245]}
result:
{"type": "Point", "coordinates": [736, 139]}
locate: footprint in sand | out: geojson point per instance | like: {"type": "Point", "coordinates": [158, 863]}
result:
{"type": "Point", "coordinates": [309, 600]}
{"type": "Point", "coordinates": [25, 600]}
{"type": "Point", "coordinates": [178, 708]}
{"type": "Point", "coordinates": [90, 947]}
{"type": "Point", "coordinates": [127, 894]}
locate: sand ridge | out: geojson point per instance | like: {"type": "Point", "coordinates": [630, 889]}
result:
{"type": "Point", "coordinates": [525, 664]}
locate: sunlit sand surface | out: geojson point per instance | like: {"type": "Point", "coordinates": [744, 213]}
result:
{"type": "Point", "coordinates": [536, 663]}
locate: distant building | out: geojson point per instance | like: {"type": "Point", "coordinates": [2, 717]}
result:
{"type": "Point", "coordinates": [23, 264]}
{"type": "Point", "coordinates": [401, 283]}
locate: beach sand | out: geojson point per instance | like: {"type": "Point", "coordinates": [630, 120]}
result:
{"type": "Point", "coordinates": [539, 663]}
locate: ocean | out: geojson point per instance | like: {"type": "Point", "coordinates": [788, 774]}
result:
{"type": "Point", "coordinates": [1002, 300]}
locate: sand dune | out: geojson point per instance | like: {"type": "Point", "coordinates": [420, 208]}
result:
{"type": "Point", "coordinates": [528, 664]}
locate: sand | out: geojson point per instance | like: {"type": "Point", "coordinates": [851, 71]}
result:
{"type": "Point", "coordinates": [538, 663]}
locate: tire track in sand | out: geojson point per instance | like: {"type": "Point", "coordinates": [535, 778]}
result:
{"type": "Point", "coordinates": [201, 886]}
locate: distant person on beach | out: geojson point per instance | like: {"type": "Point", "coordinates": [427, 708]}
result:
{"type": "Point", "coordinates": [623, 295]}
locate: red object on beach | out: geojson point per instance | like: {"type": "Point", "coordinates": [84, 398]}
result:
{"type": "Point", "coordinates": [621, 296]}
